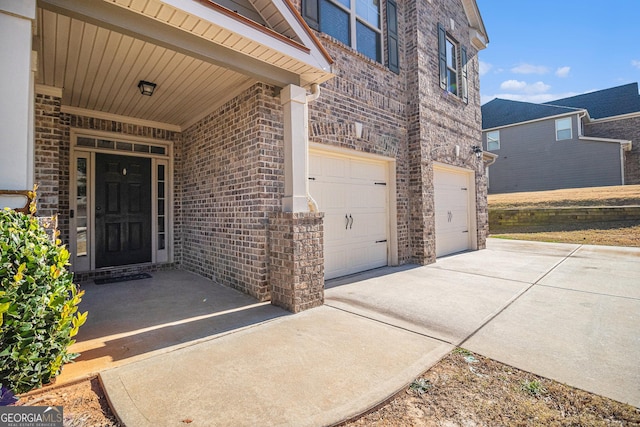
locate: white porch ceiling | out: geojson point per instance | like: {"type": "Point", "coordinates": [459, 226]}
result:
{"type": "Point", "coordinates": [99, 69]}
{"type": "Point", "coordinates": [199, 56]}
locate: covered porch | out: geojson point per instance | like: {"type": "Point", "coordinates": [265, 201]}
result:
{"type": "Point", "coordinates": [209, 172]}
{"type": "Point", "coordinates": [134, 320]}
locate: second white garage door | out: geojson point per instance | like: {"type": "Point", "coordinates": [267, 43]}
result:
{"type": "Point", "coordinates": [353, 194]}
{"type": "Point", "coordinates": [452, 203]}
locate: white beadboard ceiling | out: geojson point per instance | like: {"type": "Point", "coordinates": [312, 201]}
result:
{"type": "Point", "coordinates": [98, 68]}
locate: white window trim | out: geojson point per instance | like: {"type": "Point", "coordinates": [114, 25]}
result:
{"type": "Point", "coordinates": [570, 128]}
{"type": "Point", "coordinates": [495, 140]}
{"type": "Point", "coordinates": [353, 19]}
{"type": "Point", "coordinates": [456, 71]}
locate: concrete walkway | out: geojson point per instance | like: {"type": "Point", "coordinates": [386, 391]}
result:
{"type": "Point", "coordinates": [567, 312]}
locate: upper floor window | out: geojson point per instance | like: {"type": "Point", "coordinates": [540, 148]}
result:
{"type": "Point", "coordinates": [493, 140]}
{"type": "Point", "coordinates": [356, 23]}
{"type": "Point", "coordinates": [563, 129]}
{"type": "Point", "coordinates": [453, 65]}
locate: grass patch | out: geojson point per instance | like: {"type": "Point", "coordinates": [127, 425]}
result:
{"type": "Point", "coordinates": [618, 233]}
{"type": "Point", "coordinates": [612, 233]}
{"type": "Point", "coordinates": [622, 195]}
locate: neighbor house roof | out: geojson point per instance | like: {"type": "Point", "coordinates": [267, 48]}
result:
{"type": "Point", "coordinates": [503, 112]}
{"type": "Point", "coordinates": [610, 102]}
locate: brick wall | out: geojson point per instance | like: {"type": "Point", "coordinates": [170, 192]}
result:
{"type": "Point", "coordinates": [48, 137]}
{"type": "Point", "coordinates": [296, 260]}
{"type": "Point", "coordinates": [440, 120]}
{"type": "Point", "coordinates": [231, 179]}
{"type": "Point", "coordinates": [366, 92]}
{"type": "Point", "coordinates": [407, 117]}
{"type": "Point", "coordinates": [629, 129]}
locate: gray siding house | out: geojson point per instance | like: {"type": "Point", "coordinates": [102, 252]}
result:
{"type": "Point", "coordinates": [582, 141]}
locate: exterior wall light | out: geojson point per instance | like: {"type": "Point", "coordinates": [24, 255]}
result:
{"type": "Point", "coordinates": [477, 150]}
{"type": "Point", "coordinates": [146, 88]}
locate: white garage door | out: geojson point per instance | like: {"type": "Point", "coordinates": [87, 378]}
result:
{"type": "Point", "coordinates": [452, 211]}
{"type": "Point", "coordinates": [353, 195]}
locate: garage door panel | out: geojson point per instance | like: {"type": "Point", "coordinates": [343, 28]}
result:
{"type": "Point", "coordinates": [335, 168]}
{"type": "Point", "coordinates": [334, 228]}
{"type": "Point", "coordinates": [346, 186]}
{"type": "Point", "coordinates": [369, 226]}
{"type": "Point", "coordinates": [367, 171]}
{"type": "Point", "coordinates": [368, 256]}
{"type": "Point", "coordinates": [336, 258]}
{"type": "Point", "coordinates": [452, 211]}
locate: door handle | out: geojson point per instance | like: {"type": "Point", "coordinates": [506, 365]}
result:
{"type": "Point", "coordinates": [351, 224]}
{"type": "Point", "coordinates": [346, 226]}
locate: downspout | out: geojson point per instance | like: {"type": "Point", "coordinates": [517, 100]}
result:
{"type": "Point", "coordinates": [580, 123]}
{"type": "Point", "coordinates": [315, 94]}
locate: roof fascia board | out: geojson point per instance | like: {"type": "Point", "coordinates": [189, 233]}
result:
{"type": "Point", "coordinates": [624, 142]}
{"type": "Point", "coordinates": [613, 118]}
{"type": "Point", "coordinates": [533, 121]}
{"type": "Point", "coordinates": [213, 12]}
{"type": "Point", "coordinates": [139, 26]}
{"type": "Point", "coordinates": [479, 36]}
{"type": "Point", "coordinates": [302, 30]}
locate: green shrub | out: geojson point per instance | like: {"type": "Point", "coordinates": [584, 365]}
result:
{"type": "Point", "coordinates": [38, 304]}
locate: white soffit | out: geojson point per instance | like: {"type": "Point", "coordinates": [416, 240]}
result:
{"type": "Point", "coordinates": [97, 51]}
{"type": "Point", "coordinates": [478, 32]}
{"type": "Point", "coordinates": [284, 42]}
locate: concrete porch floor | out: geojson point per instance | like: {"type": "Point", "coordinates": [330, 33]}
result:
{"type": "Point", "coordinates": [135, 320]}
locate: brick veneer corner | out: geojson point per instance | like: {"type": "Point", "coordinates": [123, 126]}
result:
{"type": "Point", "coordinates": [296, 262]}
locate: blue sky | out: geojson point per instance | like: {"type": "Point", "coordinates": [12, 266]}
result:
{"type": "Point", "coordinates": [541, 50]}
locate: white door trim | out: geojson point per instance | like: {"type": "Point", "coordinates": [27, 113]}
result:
{"type": "Point", "coordinates": [157, 255]}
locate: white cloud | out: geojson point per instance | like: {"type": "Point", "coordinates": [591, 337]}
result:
{"type": "Point", "coordinates": [635, 63]}
{"type": "Point", "coordinates": [530, 69]}
{"type": "Point", "coordinates": [524, 87]}
{"type": "Point", "coordinates": [513, 85]}
{"type": "Point", "coordinates": [563, 71]}
{"type": "Point", "coordinates": [484, 68]}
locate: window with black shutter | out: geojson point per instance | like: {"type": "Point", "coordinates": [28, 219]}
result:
{"type": "Point", "coordinates": [392, 37]}
{"type": "Point", "coordinates": [452, 60]}
{"type": "Point", "coordinates": [356, 23]}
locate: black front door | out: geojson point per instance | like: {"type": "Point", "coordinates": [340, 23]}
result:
{"type": "Point", "coordinates": [123, 210]}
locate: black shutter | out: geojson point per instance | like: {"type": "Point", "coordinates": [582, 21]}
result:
{"type": "Point", "coordinates": [311, 13]}
{"type": "Point", "coordinates": [465, 88]}
{"type": "Point", "coordinates": [392, 36]}
{"type": "Point", "coordinates": [442, 54]}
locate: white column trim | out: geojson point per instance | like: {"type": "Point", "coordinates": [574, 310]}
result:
{"type": "Point", "coordinates": [296, 149]}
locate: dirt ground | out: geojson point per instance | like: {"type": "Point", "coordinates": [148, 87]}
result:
{"type": "Point", "coordinates": [463, 389]}
{"type": "Point", "coordinates": [84, 403]}
{"type": "Point", "coordinates": [466, 389]}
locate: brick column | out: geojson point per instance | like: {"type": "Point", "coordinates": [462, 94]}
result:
{"type": "Point", "coordinates": [296, 262]}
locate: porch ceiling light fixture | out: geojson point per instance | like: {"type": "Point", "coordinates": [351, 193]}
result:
{"type": "Point", "coordinates": [477, 150]}
{"type": "Point", "coordinates": [146, 88]}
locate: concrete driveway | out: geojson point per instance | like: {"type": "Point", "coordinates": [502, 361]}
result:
{"type": "Point", "coordinates": [566, 312]}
